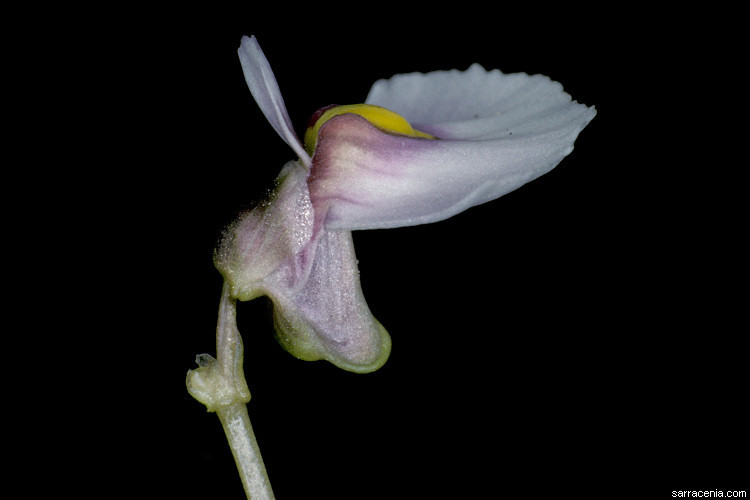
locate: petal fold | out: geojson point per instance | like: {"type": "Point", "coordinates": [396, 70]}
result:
{"type": "Point", "coordinates": [265, 89]}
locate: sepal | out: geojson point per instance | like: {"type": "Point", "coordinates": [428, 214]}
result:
{"type": "Point", "coordinates": [271, 236]}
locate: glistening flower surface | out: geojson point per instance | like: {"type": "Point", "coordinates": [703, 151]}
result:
{"type": "Point", "coordinates": [446, 141]}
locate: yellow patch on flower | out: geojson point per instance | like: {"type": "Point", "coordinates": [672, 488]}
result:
{"type": "Point", "coordinates": [384, 119]}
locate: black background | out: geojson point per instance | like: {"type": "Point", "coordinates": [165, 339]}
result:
{"type": "Point", "coordinates": [574, 336]}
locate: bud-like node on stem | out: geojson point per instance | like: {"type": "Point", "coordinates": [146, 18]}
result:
{"type": "Point", "coordinates": [208, 385]}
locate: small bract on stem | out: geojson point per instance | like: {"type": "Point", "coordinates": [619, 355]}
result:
{"type": "Point", "coordinates": [220, 385]}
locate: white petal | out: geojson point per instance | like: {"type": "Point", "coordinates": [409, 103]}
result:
{"type": "Point", "coordinates": [265, 90]}
{"type": "Point", "coordinates": [497, 132]}
{"type": "Point", "coordinates": [474, 104]}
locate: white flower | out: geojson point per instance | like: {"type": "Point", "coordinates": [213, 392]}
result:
{"type": "Point", "coordinates": [446, 141]}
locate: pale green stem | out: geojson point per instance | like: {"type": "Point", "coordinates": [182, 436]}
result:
{"type": "Point", "coordinates": [245, 449]}
{"type": "Point", "coordinates": [220, 385]}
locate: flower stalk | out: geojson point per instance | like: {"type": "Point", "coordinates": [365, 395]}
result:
{"type": "Point", "coordinates": [239, 432]}
{"type": "Point", "coordinates": [220, 385]}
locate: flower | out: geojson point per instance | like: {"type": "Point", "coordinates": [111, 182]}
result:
{"type": "Point", "coordinates": [422, 148]}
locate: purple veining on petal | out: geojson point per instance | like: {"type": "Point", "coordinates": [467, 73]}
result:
{"type": "Point", "coordinates": [352, 158]}
{"type": "Point", "coordinates": [400, 181]}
